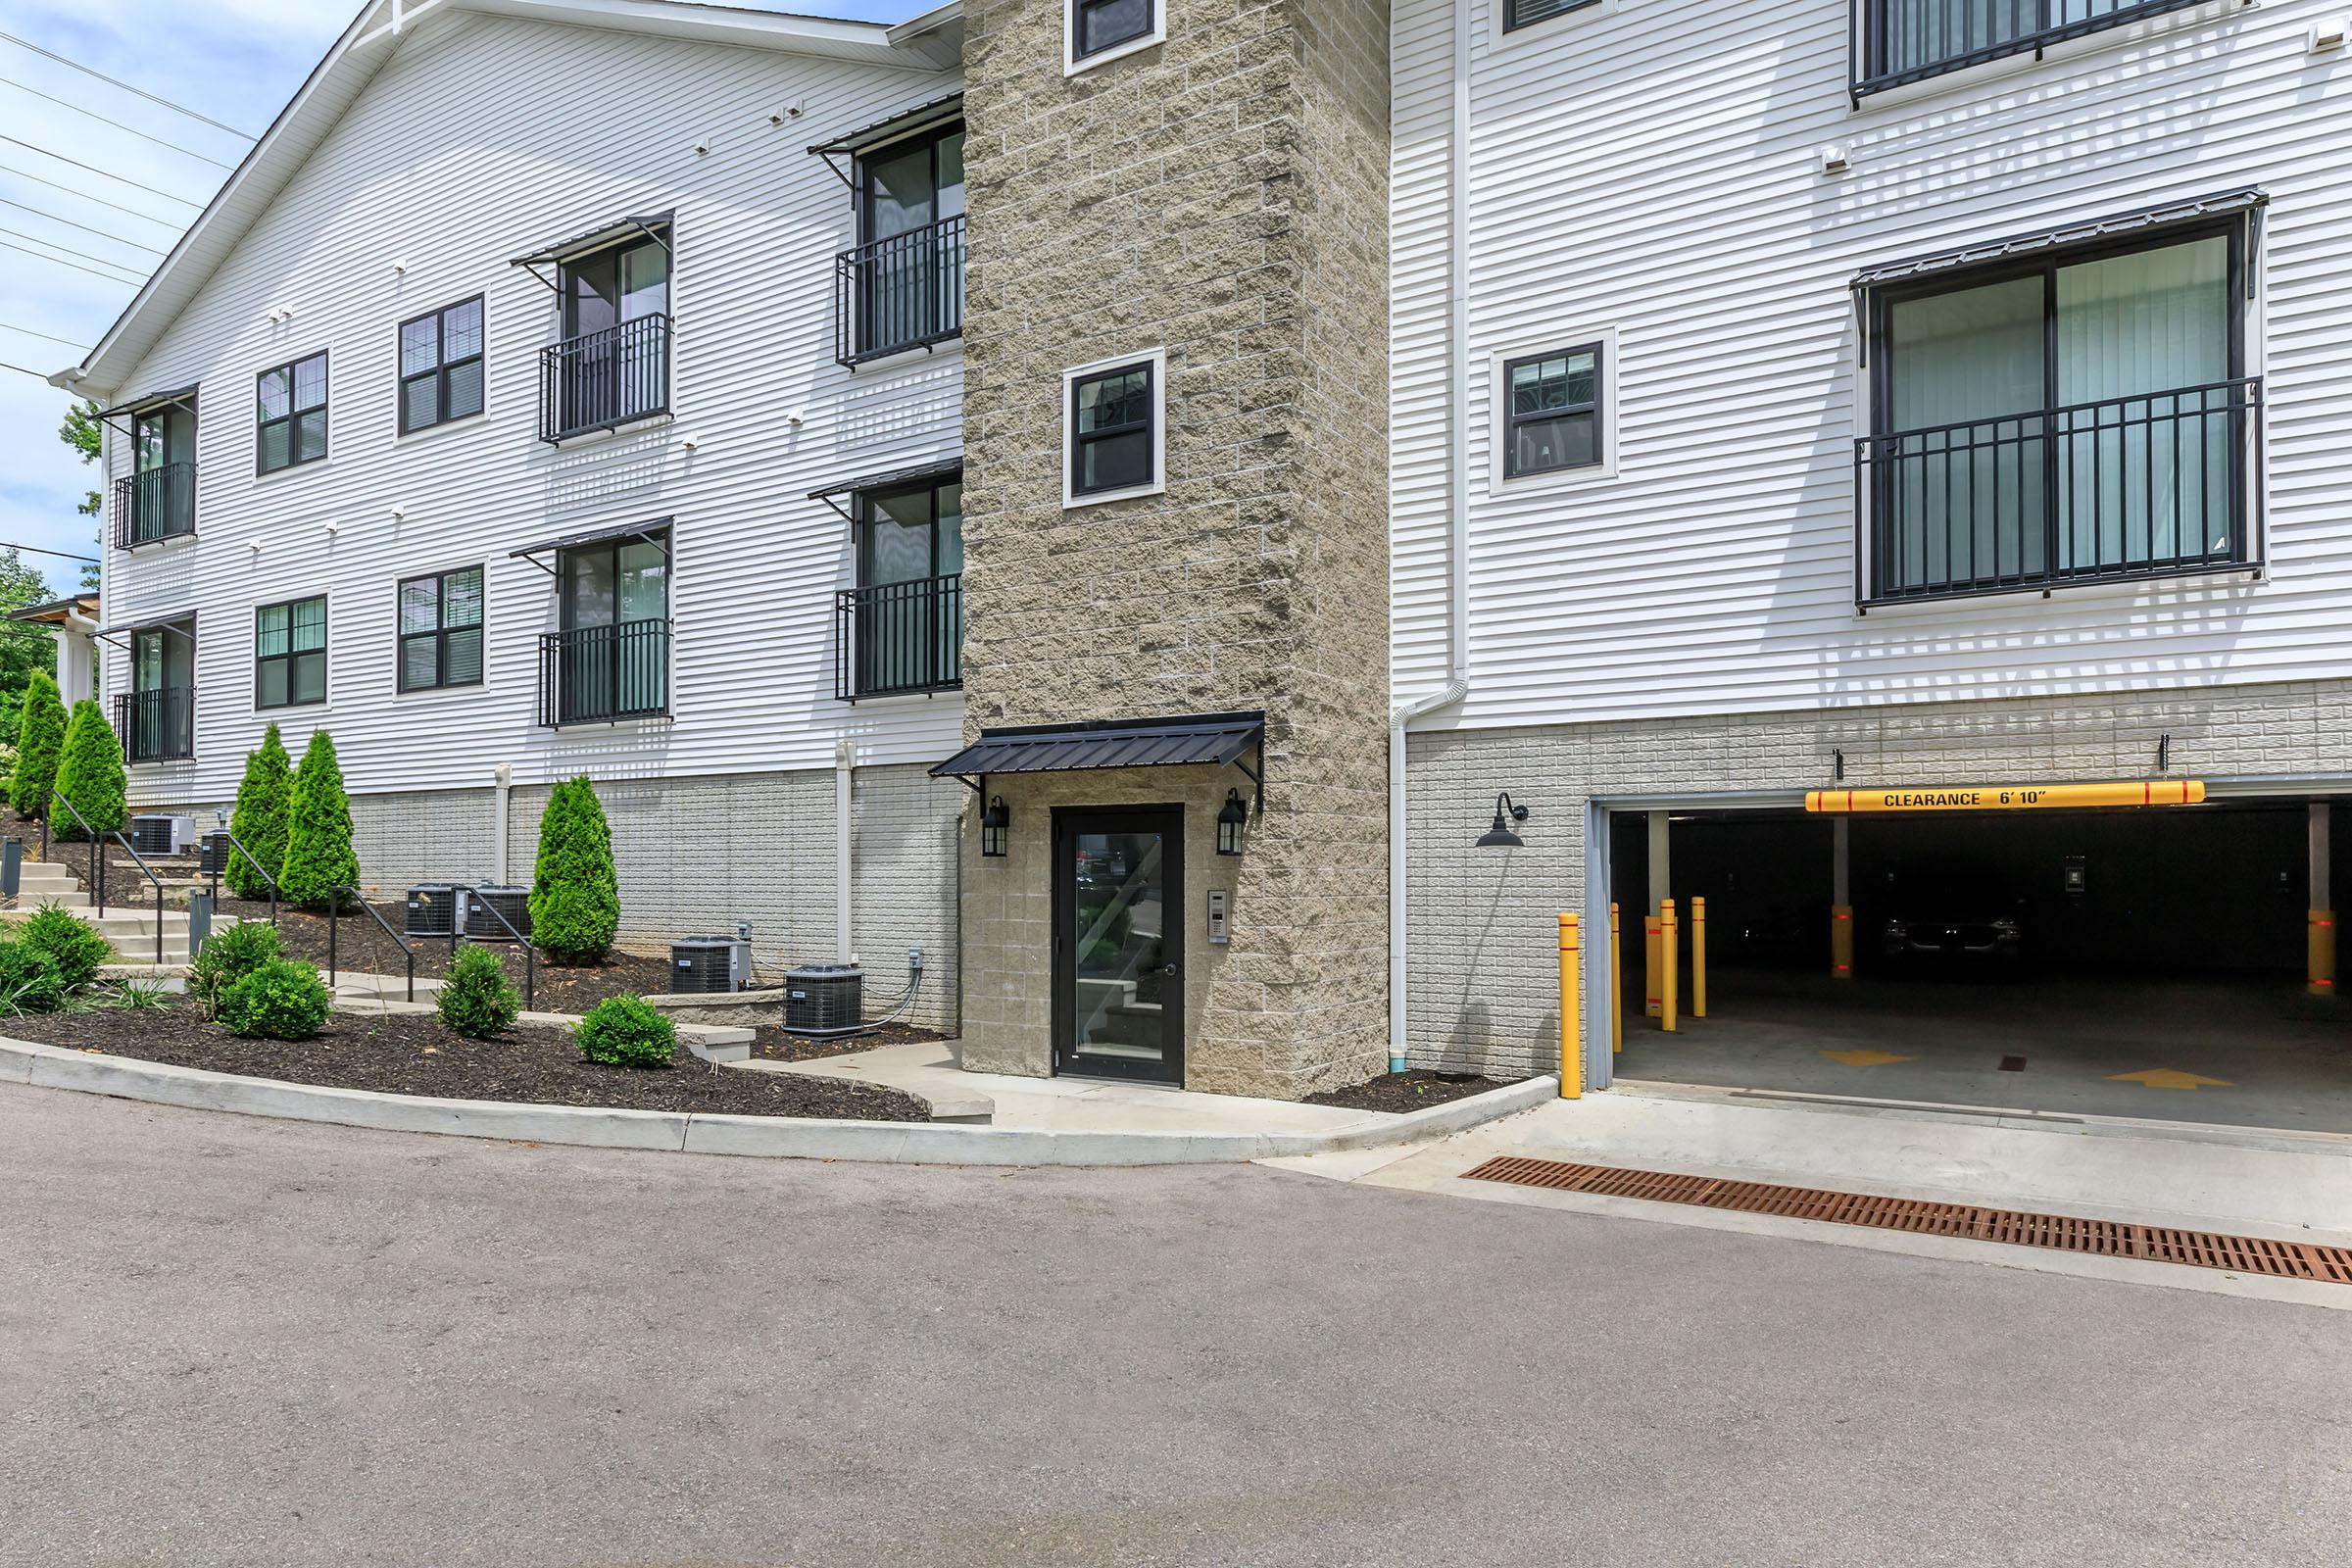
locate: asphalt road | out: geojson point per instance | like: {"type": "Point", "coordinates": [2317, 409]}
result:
{"type": "Point", "coordinates": [231, 1341]}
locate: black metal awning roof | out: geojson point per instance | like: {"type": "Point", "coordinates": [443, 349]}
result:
{"type": "Point", "coordinates": [655, 532]}
{"type": "Point", "coordinates": [939, 468]}
{"type": "Point", "coordinates": [1215, 740]}
{"type": "Point", "coordinates": [890, 126]}
{"type": "Point", "coordinates": [2222, 205]}
{"type": "Point", "coordinates": [652, 225]}
{"type": "Point", "coordinates": [152, 400]}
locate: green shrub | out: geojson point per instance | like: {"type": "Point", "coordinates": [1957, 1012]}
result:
{"type": "Point", "coordinates": [282, 1000]}
{"type": "Point", "coordinates": [575, 892]}
{"type": "Point", "coordinates": [318, 855]}
{"type": "Point", "coordinates": [227, 956]}
{"type": "Point", "coordinates": [477, 999]}
{"type": "Point", "coordinates": [41, 735]}
{"type": "Point", "coordinates": [29, 980]}
{"type": "Point", "coordinates": [71, 943]}
{"type": "Point", "coordinates": [89, 773]}
{"type": "Point", "coordinates": [142, 995]}
{"type": "Point", "coordinates": [260, 820]}
{"type": "Point", "coordinates": [624, 1031]}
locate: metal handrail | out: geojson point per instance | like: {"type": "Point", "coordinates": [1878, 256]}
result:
{"type": "Point", "coordinates": [2021, 26]}
{"type": "Point", "coordinates": [155, 505]}
{"type": "Point", "coordinates": [897, 638]}
{"type": "Point", "coordinates": [899, 292]}
{"type": "Point", "coordinates": [259, 870]}
{"type": "Point", "coordinates": [334, 905]}
{"type": "Point", "coordinates": [98, 869]}
{"type": "Point", "coordinates": [530, 958]}
{"type": "Point", "coordinates": [604, 379]}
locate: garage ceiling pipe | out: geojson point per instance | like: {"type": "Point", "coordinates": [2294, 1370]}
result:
{"type": "Point", "coordinates": [1457, 503]}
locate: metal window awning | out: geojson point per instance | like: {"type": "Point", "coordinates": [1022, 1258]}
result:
{"type": "Point", "coordinates": [889, 128]}
{"type": "Point", "coordinates": [652, 225]}
{"type": "Point", "coordinates": [1196, 740]}
{"type": "Point", "coordinates": [655, 532]}
{"type": "Point", "coordinates": [938, 470]}
{"type": "Point", "coordinates": [182, 397]}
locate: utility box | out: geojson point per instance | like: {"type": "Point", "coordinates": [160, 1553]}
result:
{"type": "Point", "coordinates": [512, 901]}
{"type": "Point", "coordinates": [212, 853]}
{"type": "Point", "coordinates": [432, 910]}
{"type": "Point", "coordinates": [163, 835]}
{"type": "Point", "coordinates": [701, 966]}
{"type": "Point", "coordinates": [824, 998]}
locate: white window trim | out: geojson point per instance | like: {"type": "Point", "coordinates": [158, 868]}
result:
{"type": "Point", "coordinates": [1158, 358]}
{"type": "Point", "coordinates": [1548, 30]}
{"type": "Point", "coordinates": [1499, 412]}
{"type": "Point", "coordinates": [1071, 64]}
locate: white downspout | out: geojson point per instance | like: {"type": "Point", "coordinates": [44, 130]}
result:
{"type": "Point", "coordinates": [1457, 501]}
{"type": "Point", "coordinates": [845, 757]}
{"type": "Point", "coordinates": [503, 784]}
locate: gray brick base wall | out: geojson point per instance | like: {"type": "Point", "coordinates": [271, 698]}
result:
{"type": "Point", "coordinates": [1483, 985]}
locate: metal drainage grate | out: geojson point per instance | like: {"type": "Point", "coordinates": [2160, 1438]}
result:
{"type": "Point", "coordinates": [2238, 1254]}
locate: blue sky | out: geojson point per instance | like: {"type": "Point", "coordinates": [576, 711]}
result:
{"type": "Point", "coordinates": [236, 61]}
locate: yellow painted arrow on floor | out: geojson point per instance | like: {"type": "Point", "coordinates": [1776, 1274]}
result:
{"type": "Point", "coordinates": [2169, 1078]}
{"type": "Point", "coordinates": [1864, 1059]}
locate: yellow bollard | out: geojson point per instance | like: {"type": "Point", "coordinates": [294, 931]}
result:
{"type": "Point", "coordinates": [1572, 1055]}
{"type": "Point", "coordinates": [1698, 958]}
{"type": "Point", "coordinates": [2321, 944]}
{"type": "Point", "coordinates": [1842, 942]}
{"type": "Point", "coordinates": [1650, 996]}
{"type": "Point", "coordinates": [1616, 984]}
{"type": "Point", "coordinates": [1670, 962]}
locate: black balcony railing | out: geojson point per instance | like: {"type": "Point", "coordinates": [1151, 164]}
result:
{"type": "Point", "coordinates": [603, 380]}
{"type": "Point", "coordinates": [897, 638]}
{"type": "Point", "coordinates": [155, 504]}
{"type": "Point", "coordinates": [157, 726]}
{"type": "Point", "coordinates": [599, 675]}
{"type": "Point", "coordinates": [2136, 486]}
{"type": "Point", "coordinates": [903, 292]}
{"type": "Point", "coordinates": [1901, 42]}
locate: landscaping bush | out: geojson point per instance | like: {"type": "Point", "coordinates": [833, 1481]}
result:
{"type": "Point", "coordinates": [282, 1000]}
{"type": "Point", "coordinates": [227, 956]}
{"type": "Point", "coordinates": [625, 1031]}
{"type": "Point", "coordinates": [575, 892]}
{"type": "Point", "coordinates": [89, 773]}
{"type": "Point", "coordinates": [71, 943]}
{"type": "Point", "coordinates": [477, 998]}
{"type": "Point", "coordinates": [41, 735]}
{"type": "Point", "coordinates": [260, 820]}
{"type": "Point", "coordinates": [29, 980]}
{"type": "Point", "coordinates": [318, 855]}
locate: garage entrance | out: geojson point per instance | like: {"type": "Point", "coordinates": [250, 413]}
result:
{"type": "Point", "coordinates": [2147, 962]}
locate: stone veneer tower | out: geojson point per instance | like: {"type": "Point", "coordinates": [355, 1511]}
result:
{"type": "Point", "coordinates": [1223, 196]}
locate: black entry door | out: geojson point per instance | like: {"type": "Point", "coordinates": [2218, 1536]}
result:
{"type": "Point", "coordinates": [1119, 942]}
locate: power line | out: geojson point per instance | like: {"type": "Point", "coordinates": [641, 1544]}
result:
{"type": "Point", "coordinates": [102, 173]}
{"type": "Point", "coordinates": [124, 86]}
{"type": "Point", "coordinates": [20, 371]}
{"type": "Point", "coordinates": [68, 249]}
{"type": "Point", "coordinates": [71, 190]}
{"type": "Point", "coordinates": [51, 336]}
{"type": "Point", "coordinates": [36, 550]}
{"type": "Point", "coordinates": [84, 228]}
{"type": "Point", "coordinates": [76, 267]}
{"type": "Point", "coordinates": [117, 124]}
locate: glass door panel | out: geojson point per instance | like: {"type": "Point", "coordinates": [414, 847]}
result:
{"type": "Point", "coordinates": [1121, 945]}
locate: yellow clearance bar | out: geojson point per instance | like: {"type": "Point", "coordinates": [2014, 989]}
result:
{"type": "Point", "coordinates": [2008, 797]}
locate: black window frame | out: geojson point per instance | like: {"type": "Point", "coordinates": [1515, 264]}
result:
{"type": "Point", "coordinates": [259, 658]}
{"type": "Point", "coordinates": [292, 417]}
{"type": "Point", "coordinates": [439, 635]}
{"type": "Point", "coordinates": [1597, 407]}
{"type": "Point", "coordinates": [1077, 441]}
{"type": "Point", "coordinates": [1513, 20]}
{"type": "Point", "coordinates": [442, 366]}
{"type": "Point", "coordinates": [1078, 9]}
{"type": "Point", "coordinates": [1866, 44]}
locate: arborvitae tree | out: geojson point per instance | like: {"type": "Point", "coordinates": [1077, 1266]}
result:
{"type": "Point", "coordinates": [39, 739]}
{"type": "Point", "coordinates": [260, 822]}
{"type": "Point", "coordinates": [575, 892]}
{"type": "Point", "coordinates": [318, 855]}
{"type": "Point", "coordinates": [89, 774]}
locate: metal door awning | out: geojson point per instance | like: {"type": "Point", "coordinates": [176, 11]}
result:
{"type": "Point", "coordinates": [656, 532]}
{"type": "Point", "coordinates": [1194, 740]}
{"type": "Point", "coordinates": [939, 468]}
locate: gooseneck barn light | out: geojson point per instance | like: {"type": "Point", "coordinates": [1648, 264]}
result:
{"type": "Point", "coordinates": [1231, 822]}
{"type": "Point", "coordinates": [1501, 836]}
{"type": "Point", "coordinates": [992, 825]}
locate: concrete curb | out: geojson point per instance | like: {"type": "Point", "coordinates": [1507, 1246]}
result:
{"type": "Point", "coordinates": [762, 1137]}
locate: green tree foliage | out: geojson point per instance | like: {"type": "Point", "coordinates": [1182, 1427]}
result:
{"type": "Point", "coordinates": [84, 434]}
{"type": "Point", "coordinates": [72, 944]}
{"type": "Point", "coordinates": [575, 891]}
{"type": "Point", "coordinates": [319, 854]}
{"type": "Point", "coordinates": [90, 775]}
{"type": "Point", "coordinates": [260, 820]}
{"type": "Point", "coordinates": [626, 1031]}
{"type": "Point", "coordinates": [282, 1000]}
{"type": "Point", "coordinates": [40, 737]}
{"type": "Point", "coordinates": [29, 980]}
{"type": "Point", "coordinates": [227, 956]}
{"type": "Point", "coordinates": [477, 998]}
{"type": "Point", "coordinates": [22, 649]}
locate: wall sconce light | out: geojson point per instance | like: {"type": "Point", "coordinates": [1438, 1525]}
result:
{"type": "Point", "coordinates": [1233, 821]}
{"type": "Point", "coordinates": [994, 824]}
{"type": "Point", "coordinates": [1501, 836]}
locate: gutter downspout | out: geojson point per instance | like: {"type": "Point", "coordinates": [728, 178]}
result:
{"type": "Point", "coordinates": [1458, 499]}
{"type": "Point", "coordinates": [845, 757]}
{"type": "Point", "coordinates": [502, 778]}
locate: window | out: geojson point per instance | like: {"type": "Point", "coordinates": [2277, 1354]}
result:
{"type": "Point", "coordinates": [903, 288]}
{"type": "Point", "coordinates": [158, 500]}
{"type": "Point", "coordinates": [1910, 40]}
{"type": "Point", "coordinates": [1096, 30]}
{"type": "Point", "coordinates": [441, 630]}
{"type": "Point", "coordinates": [611, 658]}
{"type": "Point", "coordinates": [156, 717]}
{"type": "Point", "coordinates": [612, 366]}
{"type": "Point", "coordinates": [1115, 429]}
{"type": "Point", "coordinates": [2061, 419]}
{"type": "Point", "coordinates": [441, 366]}
{"type": "Point", "coordinates": [1551, 412]}
{"type": "Point", "coordinates": [292, 409]}
{"type": "Point", "coordinates": [902, 625]}
{"type": "Point", "coordinates": [289, 653]}
{"type": "Point", "coordinates": [1517, 14]}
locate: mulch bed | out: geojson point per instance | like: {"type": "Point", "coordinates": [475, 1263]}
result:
{"type": "Point", "coordinates": [773, 1044]}
{"type": "Point", "coordinates": [413, 1053]}
{"type": "Point", "coordinates": [362, 947]}
{"type": "Point", "coordinates": [1416, 1090]}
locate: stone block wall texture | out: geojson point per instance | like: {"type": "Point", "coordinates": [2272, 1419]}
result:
{"type": "Point", "coordinates": [1221, 196]}
{"type": "Point", "coordinates": [1484, 980]}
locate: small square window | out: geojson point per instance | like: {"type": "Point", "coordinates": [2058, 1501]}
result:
{"type": "Point", "coordinates": [1096, 30]}
{"type": "Point", "coordinates": [1117, 436]}
{"type": "Point", "coordinates": [289, 653]}
{"type": "Point", "coordinates": [441, 366]}
{"type": "Point", "coordinates": [1551, 412]}
{"type": "Point", "coordinates": [441, 630]}
{"type": "Point", "coordinates": [290, 414]}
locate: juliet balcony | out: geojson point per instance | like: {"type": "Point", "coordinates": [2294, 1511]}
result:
{"type": "Point", "coordinates": [158, 725]}
{"type": "Point", "coordinates": [898, 639]}
{"type": "Point", "coordinates": [900, 293]}
{"type": "Point", "coordinates": [604, 674]}
{"type": "Point", "coordinates": [604, 379]}
{"type": "Point", "coordinates": [155, 505]}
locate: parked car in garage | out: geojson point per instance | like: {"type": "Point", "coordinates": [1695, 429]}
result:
{"type": "Point", "coordinates": [1952, 913]}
